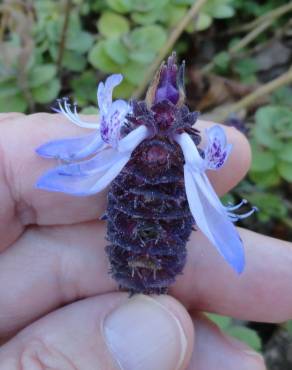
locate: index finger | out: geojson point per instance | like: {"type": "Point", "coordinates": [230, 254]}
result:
{"type": "Point", "coordinates": [21, 204]}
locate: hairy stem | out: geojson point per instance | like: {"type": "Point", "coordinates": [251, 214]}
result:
{"type": "Point", "coordinates": [266, 89]}
{"type": "Point", "coordinates": [177, 31]}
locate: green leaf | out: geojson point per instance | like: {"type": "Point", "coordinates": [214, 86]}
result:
{"type": "Point", "coordinates": [46, 93]}
{"type": "Point", "coordinates": [121, 6]}
{"type": "Point", "coordinates": [73, 61]}
{"type": "Point", "coordinates": [285, 153]}
{"type": "Point", "coordinates": [245, 67]}
{"type": "Point", "coordinates": [112, 25]}
{"type": "Point", "coordinates": [268, 203]}
{"type": "Point", "coordinates": [146, 18]}
{"type": "Point", "coordinates": [142, 56]}
{"type": "Point", "coordinates": [124, 90]}
{"type": "Point", "coordinates": [285, 170]}
{"type": "Point", "coordinates": [262, 161]}
{"type": "Point", "coordinates": [265, 179]}
{"type": "Point", "coordinates": [222, 321]}
{"type": "Point", "coordinates": [134, 72]}
{"type": "Point", "coordinates": [84, 87]}
{"type": "Point", "coordinates": [80, 41]}
{"type": "Point", "coordinates": [246, 335]}
{"type": "Point", "coordinates": [16, 103]}
{"type": "Point", "coordinates": [99, 58]}
{"type": "Point", "coordinates": [282, 96]}
{"type": "Point", "coordinates": [288, 326]}
{"type": "Point", "coordinates": [89, 110]}
{"type": "Point", "coordinates": [148, 37]}
{"type": "Point", "coordinates": [146, 6]}
{"type": "Point", "coordinates": [222, 11]}
{"type": "Point", "coordinates": [272, 122]}
{"type": "Point", "coordinates": [9, 88]}
{"type": "Point", "coordinates": [222, 61]}
{"type": "Point", "coordinates": [173, 14]}
{"type": "Point", "coordinates": [116, 50]}
{"type": "Point", "coordinates": [41, 74]}
{"type": "Point", "coordinates": [203, 22]}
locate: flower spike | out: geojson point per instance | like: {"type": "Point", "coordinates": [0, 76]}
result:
{"type": "Point", "coordinates": [147, 153]}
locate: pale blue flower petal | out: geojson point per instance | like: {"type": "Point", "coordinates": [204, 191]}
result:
{"type": "Point", "coordinates": [52, 180]}
{"type": "Point", "coordinates": [133, 139]}
{"type": "Point", "coordinates": [105, 92]}
{"type": "Point", "coordinates": [81, 185]}
{"type": "Point", "coordinates": [71, 149]}
{"type": "Point", "coordinates": [100, 162]}
{"type": "Point", "coordinates": [212, 219]}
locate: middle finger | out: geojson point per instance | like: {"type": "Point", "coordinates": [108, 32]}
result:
{"type": "Point", "coordinates": [51, 266]}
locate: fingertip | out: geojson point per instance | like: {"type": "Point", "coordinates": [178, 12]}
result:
{"type": "Point", "coordinates": [237, 164]}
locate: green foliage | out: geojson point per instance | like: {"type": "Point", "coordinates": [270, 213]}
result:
{"type": "Point", "coordinates": [243, 333]}
{"type": "Point", "coordinates": [271, 143]}
{"type": "Point", "coordinates": [109, 35]}
{"type": "Point", "coordinates": [272, 146]}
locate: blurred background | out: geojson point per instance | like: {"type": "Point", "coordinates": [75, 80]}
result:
{"type": "Point", "coordinates": [238, 55]}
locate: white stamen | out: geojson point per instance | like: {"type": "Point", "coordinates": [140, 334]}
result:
{"type": "Point", "coordinates": [232, 207]}
{"type": "Point", "coordinates": [74, 117]}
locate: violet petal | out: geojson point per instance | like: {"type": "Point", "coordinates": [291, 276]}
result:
{"type": "Point", "coordinates": [100, 162]}
{"type": "Point", "coordinates": [105, 91]}
{"type": "Point", "coordinates": [212, 219]}
{"type": "Point", "coordinates": [71, 149]}
{"type": "Point", "coordinates": [81, 185]}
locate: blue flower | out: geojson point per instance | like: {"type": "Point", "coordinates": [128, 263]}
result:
{"type": "Point", "coordinates": [108, 153]}
{"type": "Point", "coordinates": [211, 217]}
{"type": "Point", "coordinates": [90, 163]}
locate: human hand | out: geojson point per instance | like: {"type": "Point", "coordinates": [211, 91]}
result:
{"type": "Point", "coordinates": [54, 281]}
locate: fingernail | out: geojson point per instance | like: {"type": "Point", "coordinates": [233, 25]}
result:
{"type": "Point", "coordinates": [144, 335]}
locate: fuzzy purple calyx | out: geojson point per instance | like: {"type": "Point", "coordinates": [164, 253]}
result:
{"type": "Point", "coordinates": [167, 88]}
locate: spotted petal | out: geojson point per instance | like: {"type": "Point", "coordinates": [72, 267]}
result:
{"type": "Point", "coordinates": [217, 150]}
{"type": "Point", "coordinates": [212, 219]}
{"type": "Point", "coordinates": [112, 121]}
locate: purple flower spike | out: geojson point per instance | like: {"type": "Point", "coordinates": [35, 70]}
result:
{"type": "Point", "coordinates": [112, 114]}
{"type": "Point", "coordinates": [148, 153]}
{"type": "Point", "coordinates": [167, 88]}
{"type": "Point", "coordinates": [217, 150]}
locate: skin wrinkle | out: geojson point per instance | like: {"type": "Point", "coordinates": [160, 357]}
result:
{"type": "Point", "coordinates": [10, 209]}
{"type": "Point", "coordinates": [38, 351]}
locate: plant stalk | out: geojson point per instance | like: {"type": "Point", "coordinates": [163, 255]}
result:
{"type": "Point", "coordinates": [175, 34]}
{"type": "Point", "coordinates": [266, 89]}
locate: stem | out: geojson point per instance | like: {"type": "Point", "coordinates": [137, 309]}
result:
{"type": "Point", "coordinates": [250, 37]}
{"type": "Point", "coordinates": [272, 15]}
{"type": "Point", "coordinates": [246, 40]}
{"type": "Point", "coordinates": [175, 34]}
{"type": "Point", "coordinates": [68, 7]}
{"type": "Point", "coordinates": [266, 89]}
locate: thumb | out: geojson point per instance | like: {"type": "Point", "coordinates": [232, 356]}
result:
{"type": "Point", "coordinates": [107, 332]}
